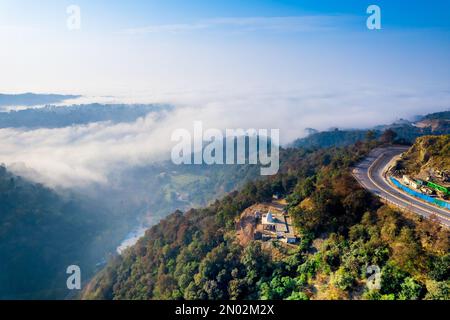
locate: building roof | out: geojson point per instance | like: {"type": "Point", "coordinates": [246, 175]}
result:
{"type": "Point", "coordinates": [268, 219]}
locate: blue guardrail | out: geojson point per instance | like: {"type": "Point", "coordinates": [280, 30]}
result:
{"type": "Point", "coordinates": [419, 195]}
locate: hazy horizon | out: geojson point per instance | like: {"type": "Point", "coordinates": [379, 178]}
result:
{"type": "Point", "coordinates": [288, 65]}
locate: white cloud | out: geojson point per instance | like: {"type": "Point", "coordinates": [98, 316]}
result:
{"type": "Point", "coordinates": [172, 28]}
{"type": "Point", "coordinates": [80, 155]}
{"type": "Point", "coordinates": [278, 24]}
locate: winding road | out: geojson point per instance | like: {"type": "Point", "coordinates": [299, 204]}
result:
{"type": "Point", "coordinates": [370, 173]}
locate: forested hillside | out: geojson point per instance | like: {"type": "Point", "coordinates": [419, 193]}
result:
{"type": "Point", "coordinates": [429, 152]}
{"type": "Point", "coordinates": [195, 255]}
{"type": "Point", "coordinates": [43, 232]}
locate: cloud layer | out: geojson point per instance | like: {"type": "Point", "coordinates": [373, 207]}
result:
{"type": "Point", "coordinates": [78, 155]}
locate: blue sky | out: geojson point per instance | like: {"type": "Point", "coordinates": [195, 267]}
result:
{"type": "Point", "coordinates": [212, 51]}
{"type": "Point", "coordinates": [411, 14]}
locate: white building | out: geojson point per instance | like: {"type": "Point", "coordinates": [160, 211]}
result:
{"type": "Point", "coordinates": [268, 222]}
{"type": "Point", "coordinates": [406, 179]}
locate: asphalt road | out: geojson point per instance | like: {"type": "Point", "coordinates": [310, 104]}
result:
{"type": "Point", "coordinates": [370, 173]}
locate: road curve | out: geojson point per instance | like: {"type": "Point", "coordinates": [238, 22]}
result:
{"type": "Point", "coordinates": [370, 173]}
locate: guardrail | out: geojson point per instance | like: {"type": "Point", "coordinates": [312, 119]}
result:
{"type": "Point", "coordinates": [419, 195]}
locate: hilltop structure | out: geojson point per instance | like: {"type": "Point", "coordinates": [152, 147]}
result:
{"type": "Point", "coordinates": [275, 226]}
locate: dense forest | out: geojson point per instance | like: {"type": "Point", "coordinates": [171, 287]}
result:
{"type": "Point", "coordinates": [194, 254]}
{"type": "Point", "coordinates": [344, 229]}
{"type": "Point", "coordinates": [42, 232]}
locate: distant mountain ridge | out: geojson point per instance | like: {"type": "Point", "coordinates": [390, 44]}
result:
{"type": "Point", "coordinates": [58, 117]}
{"type": "Point", "coordinates": [33, 99]}
{"type": "Point", "coordinates": [407, 131]}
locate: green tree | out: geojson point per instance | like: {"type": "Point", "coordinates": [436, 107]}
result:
{"type": "Point", "coordinates": [298, 296]}
{"type": "Point", "coordinates": [388, 136]}
{"type": "Point", "coordinates": [371, 135]}
{"type": "Point", "coordinates": [343, 279]}
{"type": "Point", "coordinates": [410, 290]}
{"type": "Point", "coordinates": [438, 290]}
{"type": "Point", "coordinates": [391, 279]}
